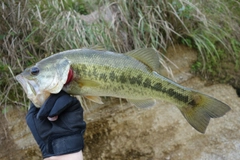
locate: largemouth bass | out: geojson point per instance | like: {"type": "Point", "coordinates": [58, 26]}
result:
{"type": "Point", "coordinates": [95, 73]}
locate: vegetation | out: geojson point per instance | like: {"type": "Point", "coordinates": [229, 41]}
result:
{"type": "Point", "coordinates": [31, 30]}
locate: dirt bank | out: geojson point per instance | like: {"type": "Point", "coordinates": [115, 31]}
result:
{"type": "Point", "coordinates": [120, 131]}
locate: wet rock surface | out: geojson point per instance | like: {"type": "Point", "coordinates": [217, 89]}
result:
{"type": "Point", "coordinates": [118, 130]}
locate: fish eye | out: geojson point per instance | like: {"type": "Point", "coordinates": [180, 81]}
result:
{"type": "Point", "coordinates": [34, 71]}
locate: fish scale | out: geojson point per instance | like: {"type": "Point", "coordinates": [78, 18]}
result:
{"type": "Point", "coordinates": [132, 76]}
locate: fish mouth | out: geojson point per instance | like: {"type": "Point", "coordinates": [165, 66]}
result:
{"type": "Point", "coordinates": [32, 90]}
{"type": "Point", "coordinates": [26, 85]}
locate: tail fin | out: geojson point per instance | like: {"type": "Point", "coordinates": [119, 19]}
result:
{"type": "Point", "coordinates": [201, 108]}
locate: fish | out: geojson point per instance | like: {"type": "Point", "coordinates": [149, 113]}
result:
{"type": "Point", "coordinates": [94, 73]}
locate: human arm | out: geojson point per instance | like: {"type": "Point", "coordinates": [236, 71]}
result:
{"type": "Point", "coordinates": [72, 156]}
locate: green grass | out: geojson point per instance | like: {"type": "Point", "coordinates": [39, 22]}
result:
{"type": "Point", "coordinates": [31, 30]}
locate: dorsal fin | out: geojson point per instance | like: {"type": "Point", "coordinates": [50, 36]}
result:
{"type": "Point", "coordinates": [147, 56]}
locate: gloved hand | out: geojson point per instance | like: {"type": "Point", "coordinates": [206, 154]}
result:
{"type": "Point", "coordinates": [62, 136]}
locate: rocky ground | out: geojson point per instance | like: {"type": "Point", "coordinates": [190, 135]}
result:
{"type": "Point", "coordinates": [117, 130]}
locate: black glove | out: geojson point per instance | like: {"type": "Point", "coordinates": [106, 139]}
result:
{"type": "Point", "coordinates": [63, 136]}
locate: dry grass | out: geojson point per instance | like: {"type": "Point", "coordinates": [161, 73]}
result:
{"type": "Point", "coordinates": [15, 51]}
{"type": "Point", "coordinates": [31, 30]}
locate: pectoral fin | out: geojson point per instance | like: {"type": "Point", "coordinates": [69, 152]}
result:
{"type": "Point", "coordinates": [88, 83]}
{"type": "Point", "coordinates": [146, 103]}
{"type": "Point", "coordinates": [95, 99]}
